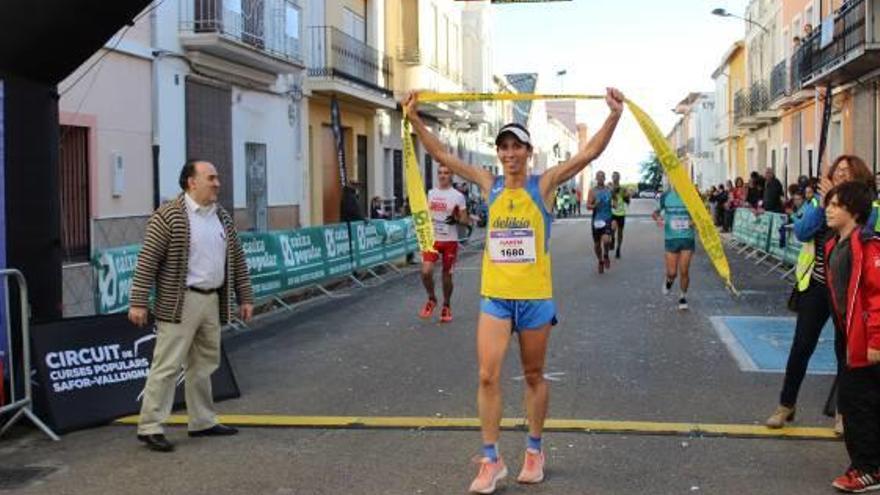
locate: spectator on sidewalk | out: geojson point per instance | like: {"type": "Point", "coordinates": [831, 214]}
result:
{"type": "Point", "coordinates": [789, 208]}
{"type": "Point", "coordinates": [351, 205]}
{"type": "Point", "coordinates": [773, 192]}
{"type": "Point", "coordinates": [755, 193]}
{"type": "Point", "coordinates": [377, 211]}
{"type": "Point", "coordinates": [736, 199]}
{"type": "Point", "coordinates": [853, 270]}
{"type": "Point", "coordinates": [810, 298]}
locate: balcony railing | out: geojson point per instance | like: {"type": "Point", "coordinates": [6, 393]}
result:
{"type": "Point", "coordinates": [849, 34]}
{"type": "Point", "coordinates": [740, 105]}
{"type": "Point", "coordinates": [779, 81]}
{"type": "Point", "coordinates": [759, 97]}
{"type": "Point", "coordinates": [795, 83]}
{"type": "Point", "coordinates": [336, 54]}
{"type": "Point", "coordinates": [270, 26]}
{"type": "Point", "coordinates": [750, 102]}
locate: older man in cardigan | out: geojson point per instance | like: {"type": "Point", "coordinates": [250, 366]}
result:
{"type": "Point", "coordinates": [193, 257]}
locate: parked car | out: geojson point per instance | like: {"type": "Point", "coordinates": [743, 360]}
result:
{"type": "Point", "coordinates": [648, 194]}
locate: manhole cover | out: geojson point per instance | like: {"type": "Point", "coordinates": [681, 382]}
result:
{"type": "Point", "coordinates": [13, 478]}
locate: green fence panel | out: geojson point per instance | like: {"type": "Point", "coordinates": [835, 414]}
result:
{"type": "Point", "coordinates": [394, 234]}
{"type": "Point", "coordinates": [303, 254]}
{"type": "Point", "coordinates": [742, 220]}
{"type": "Point", "coordinates": [263, 255]}
{"type": "Point", "coordinates": [337, 249]}
{"type": "Point", "coordinates": [761, 232]}
{"type": "Point", "coordinates": [114, 269]}
{"type": "Point", "coordinates": [368, 243]}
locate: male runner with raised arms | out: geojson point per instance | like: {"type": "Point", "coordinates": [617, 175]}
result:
{"type": "Point", "coordinates": [517, 287]}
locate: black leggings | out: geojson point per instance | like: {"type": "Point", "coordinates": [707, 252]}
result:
{"type": "Point", "coordinates": [814, 309]}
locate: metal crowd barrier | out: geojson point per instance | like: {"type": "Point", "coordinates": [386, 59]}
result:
{"type": "Point", "coordinates": [761, 237]}
{"type": "Point", "coordinates": [21, 401]}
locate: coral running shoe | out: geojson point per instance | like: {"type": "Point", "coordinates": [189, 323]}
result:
{"type": "Point", "coordinates": [533, 468]}
{"type": "Point", "coordinates": [428, 309]}
{"type": "Point", "coordinates": [446, 314]}
{"type": "Point", "coordinates": [856, 481]}
{"type": "Point", "coordinates": [489, 476]}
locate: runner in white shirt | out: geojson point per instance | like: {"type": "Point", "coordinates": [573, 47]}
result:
{"type": "Point", "coordinates": [448, 209]}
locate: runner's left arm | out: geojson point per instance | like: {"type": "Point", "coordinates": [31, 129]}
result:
{"type": "Point", "coordinates": [557, 175]}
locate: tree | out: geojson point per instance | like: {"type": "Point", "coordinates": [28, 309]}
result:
{"type": "Point", "coordinates": [652, 171]}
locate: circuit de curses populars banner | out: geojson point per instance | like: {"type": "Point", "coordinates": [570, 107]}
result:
{"type": "Point", "coordinates": [278, 261]}
{"type": "Point", "coordinates": [91, 370]}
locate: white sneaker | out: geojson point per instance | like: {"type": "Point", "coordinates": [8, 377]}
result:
{"type": "Point", "coordinates": [682, 304]}
{"type": "Point", "coordinates": [666, 287]}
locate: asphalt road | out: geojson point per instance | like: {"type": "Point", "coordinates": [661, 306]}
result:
{"type": "Point", "coordinates": [622, 352]}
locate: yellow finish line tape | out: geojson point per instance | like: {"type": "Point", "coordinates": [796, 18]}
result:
{"type": "Point", "coordinates": [557, 425]}
{"type": "Point", "coordinates": [678, 175]}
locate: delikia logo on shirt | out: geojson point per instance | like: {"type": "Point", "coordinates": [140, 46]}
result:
{"type": "Point", "coordinates": [437, 205]}
{"type": "Point", "coordinates": [511, 223]}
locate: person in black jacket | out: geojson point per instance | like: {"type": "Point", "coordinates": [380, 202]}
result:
{"type": "Point", "coordinates": [351, 207]}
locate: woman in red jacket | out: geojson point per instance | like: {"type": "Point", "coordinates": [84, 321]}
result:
{"type": "Point", "coordinates": [853, 270]}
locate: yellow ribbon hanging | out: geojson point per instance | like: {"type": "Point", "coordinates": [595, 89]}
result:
{"type": "Point", "coordinates": [678, 176]}
{"type": "Point", "coordinates": [418, 201]}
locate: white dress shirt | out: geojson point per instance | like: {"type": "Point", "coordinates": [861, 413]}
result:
{"type": "Point", "coordinates": [207, 246]}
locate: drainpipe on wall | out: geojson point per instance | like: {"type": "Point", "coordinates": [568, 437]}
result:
{"type": "Point", "coordinates": [874, 135]}
{"type": "Point", "coordinates": [154, 110]}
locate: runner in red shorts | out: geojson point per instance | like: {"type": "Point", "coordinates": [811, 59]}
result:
{"type": "Point", "coordinates": [448, 209]}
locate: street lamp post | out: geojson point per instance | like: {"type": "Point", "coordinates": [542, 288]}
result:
{"type": "Point", "coordinates": [560, 74]}
{"type": "Point", "coordinates": [723, 13]}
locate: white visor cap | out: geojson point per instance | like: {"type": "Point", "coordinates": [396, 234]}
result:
{"type": "Point", "coordinates": [518, 132]}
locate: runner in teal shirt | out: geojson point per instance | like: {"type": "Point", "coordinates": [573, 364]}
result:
{"type": "Point", "coordinates": [680, 242]}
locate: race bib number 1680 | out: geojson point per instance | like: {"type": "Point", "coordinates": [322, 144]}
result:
{"type": "Point", "coordinates": [512, 246]}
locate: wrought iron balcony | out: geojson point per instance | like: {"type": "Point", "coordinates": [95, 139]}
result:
{"type": "Point", "coordinates": [851, 52]}
{"type": "Point", "coordinates": [751, 107]}
{"type": "Point", "coordinates": [336, 54]}
{"type": "Point", "coordinates": [740, 105]}
{"type": "Point", "coordinates": [759, 97]}
{"type": "Point", "coordinates": [264, 34]}
{"type": "Point", "coordinates": [779, 81]}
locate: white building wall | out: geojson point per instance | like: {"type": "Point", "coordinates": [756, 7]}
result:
{"type": "Point", "coordinates": [259, 117]}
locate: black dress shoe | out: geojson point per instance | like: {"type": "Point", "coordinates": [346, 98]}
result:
{"type": "Point", "coordinates": [157, 442]}
{"type": "Point", "coordinates": [217, 430]}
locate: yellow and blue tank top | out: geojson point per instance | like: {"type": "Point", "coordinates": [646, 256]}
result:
{"type": "Point", "coordinates": [516, 259]}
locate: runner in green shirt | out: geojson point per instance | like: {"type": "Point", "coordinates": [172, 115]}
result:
{"type": "Point", "coordinates": [680, 242]}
